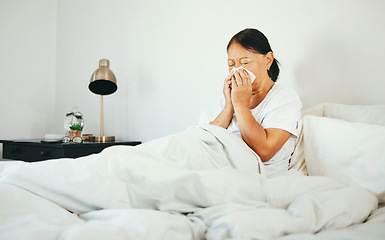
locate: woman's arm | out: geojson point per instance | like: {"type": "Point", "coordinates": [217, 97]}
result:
{"type": "Point", "coordinates": [265, 142]}
{"type": "Point", "coordinates": [224, 118]}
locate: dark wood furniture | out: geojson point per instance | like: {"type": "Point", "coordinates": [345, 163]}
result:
{"type": "Point", "coordinates": [37, 150]}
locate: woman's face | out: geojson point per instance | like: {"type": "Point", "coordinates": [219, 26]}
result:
{"type": "Point", "coordinates": [257, 63]}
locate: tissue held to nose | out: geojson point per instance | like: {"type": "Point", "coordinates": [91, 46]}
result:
{"type": "Point", "coordinates": [251, 75]}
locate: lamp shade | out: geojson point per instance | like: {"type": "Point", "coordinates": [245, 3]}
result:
{"type": "Point", "coordinates": [103, 81]}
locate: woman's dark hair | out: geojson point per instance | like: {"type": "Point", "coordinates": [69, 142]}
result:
{"type": "Point", "coordinates": [256, 41]}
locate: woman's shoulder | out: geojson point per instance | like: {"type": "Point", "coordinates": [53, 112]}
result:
{"type": "Point", "coordinates": [282, 89]}
{"type": "Point", "coordinates": [281, 109]}
{"type": "Point", "coordinates": [282, 94]}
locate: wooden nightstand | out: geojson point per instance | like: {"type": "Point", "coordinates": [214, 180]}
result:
{"type": "Point", "coordinates": [36, 150]}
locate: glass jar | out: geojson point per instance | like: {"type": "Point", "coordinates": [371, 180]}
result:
{"type": "Point", "coordinates": [73, 117]}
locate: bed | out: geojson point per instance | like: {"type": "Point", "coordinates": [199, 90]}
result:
{"type": "Point", "coordinates": [205, 183]}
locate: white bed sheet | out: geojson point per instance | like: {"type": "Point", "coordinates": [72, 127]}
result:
{"type": "Point", "coordinates": [373, 229]}
{"type": "Point", "coordinates": [149, 192]}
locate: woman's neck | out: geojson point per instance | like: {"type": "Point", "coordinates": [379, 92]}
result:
{"type": "Point", "coordinates": [260, 92]}
{"type": "Point", "coordinates": [264, 87]}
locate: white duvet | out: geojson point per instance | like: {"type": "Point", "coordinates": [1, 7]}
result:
{"type": "Point", "coordinates": [204, 183]}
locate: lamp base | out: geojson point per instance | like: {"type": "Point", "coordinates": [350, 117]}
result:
{"type": "Point", "coordinates": [102, 139]}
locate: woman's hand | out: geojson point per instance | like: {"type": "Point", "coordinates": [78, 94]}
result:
{"type": "Point", "coordinates": [224, 118]}
{"type": "Point", "coordinates": [227, 90]}
{"type": "Point", "coordinates": [241, 89]}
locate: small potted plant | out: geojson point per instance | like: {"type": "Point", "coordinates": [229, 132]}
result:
{"type": "Point", "coordinates": [75, 131]}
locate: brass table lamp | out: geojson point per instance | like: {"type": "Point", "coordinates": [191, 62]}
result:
{"type": "Point", "coordinates": [103, 82]}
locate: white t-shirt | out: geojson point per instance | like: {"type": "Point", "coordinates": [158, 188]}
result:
{"type": "Point", "coordinates": [281, 109]}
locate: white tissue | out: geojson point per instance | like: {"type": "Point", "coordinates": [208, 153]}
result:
{"type": "Point", "coordinates": [251, 75]}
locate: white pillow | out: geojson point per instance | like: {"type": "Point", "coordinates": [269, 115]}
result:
{"type": "Point", "coordinates": [352, 153]}
{"type": "Point", "coordinates": [373, 114]}
{"type": "Point", "coordinates": [297, 161]}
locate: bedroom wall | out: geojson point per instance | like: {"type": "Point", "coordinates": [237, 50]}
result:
{"type": "Point", "coordinates": [27, 68]}
{"type": "Point", "coordinates": [169, 58]}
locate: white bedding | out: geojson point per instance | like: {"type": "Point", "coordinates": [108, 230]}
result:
{"type": "Point", "coordinates": [202, 184]}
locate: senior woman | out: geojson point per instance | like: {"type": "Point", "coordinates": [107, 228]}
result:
{"type": "Point", "coordinates": [263, 112]}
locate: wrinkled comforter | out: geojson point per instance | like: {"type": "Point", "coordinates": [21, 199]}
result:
{"type": "Point", "coordinates": [204, 183]}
